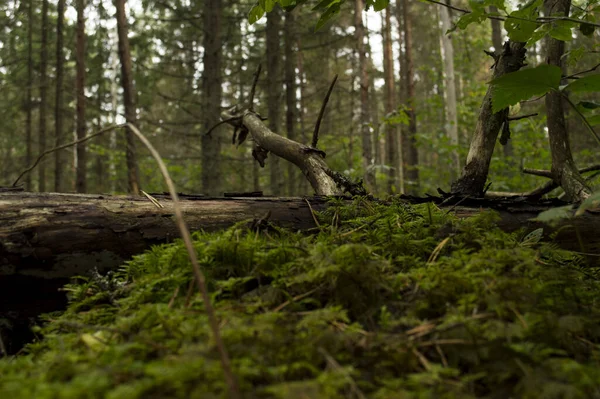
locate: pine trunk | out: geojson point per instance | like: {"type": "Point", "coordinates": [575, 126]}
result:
{"type": "Point", "coordinates": [212, 93]}
{"type": "Point", "coordinates": [410, 153]}
{"type": "Point", "coordinates": [447, 48]}
{"type": "Point", "coordinates": [273, 92]}
{"type": "Point", "coordinates": [390, 102]}
{"type": "Point", "coordinates": [43, 95]}
{"type": "Point", "coordinates": [290, 96]}
{"type": "Point", "coordinates": [28, 95]}
{"type": "Point", "coordinates": [367, 147]}
{"type": "Point", "coordinates": [81, 173]}
{"type": "Point", "coordinates": [133, 180]}
{"type": "Point", "coordinates": [58, 114]}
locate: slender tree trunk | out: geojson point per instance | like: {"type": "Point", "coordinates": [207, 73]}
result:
{"type": "Point", "coordinates": [367, 148]}
{"type": "Point", "coordinates": [303, 186]}
{"type": "Point", "coordinates": [350, 155]}
{"type": "Point", "coordinates": [390, 101]}
{"type": "Point", "coordinates": [564, 171]}
{"type": "Point", "coordinates": [58, 115]}
{"type": "Point", "coordinates": [212, 93]}
{"type": "Point", "coordinates": [474, 175]}
{"type": "Point", "coordinates": [450, 89]}
{"type": "Point", "coordinates": [410, 153]}
{"type": "Point", "coordinates": [81, 173]}
{"type": "Point", "coordinates": [112, 166]}
{"type": "Point", "coordinates": [290, 94]}
{"type": "Point", "coordinates": [28, 95]}
{"type": "Point", "coordinates": [43, 95]}
{"type": "Point", "coordinates": [377, 136]}
{"type": "Point", "coordinates": [273, 91]}
{"type": "Point", "coordinates": [133, 179]}
{"type": "Point", "coordinates": [497, 43]}
{"type": "Point", "coordinates": [100, 160]}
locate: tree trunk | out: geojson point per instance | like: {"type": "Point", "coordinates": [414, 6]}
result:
{"type": "Point", "coordinates": [564, 171]}
{"type": "Point", "coordinates": [497, 42]}
{"type": "Point", "coordinates": [133, 179]}
{"type": "Point", "coordinates": [303, 184]}
{"type": "Point", "coordinates": [390, 102]}
{"type": "Point", "coordinates": [81, 173]}
{"type": "Point", "coordinates": [367, 148]}
{"type": "Point", "coordinates": [212, 93]}
{"type": "Point", "coordinates": [474, 175]}
{"type": "Point", "coordinates": [28, 95]}
{"type": "Point", "coordinates": [450, 89]}
{"type": "Point", "coordinates": [410, 153]}
{"type": "Point", "coordinates": [58, 112]}
{"type": "Point", "coordinates": [377, 134]}
{"type": "Point", "coordinates": [290, 95]}
{"type": "Point", "coordinates": [43, 95]}
{"type": "Point", "coordinates": [273, 32]}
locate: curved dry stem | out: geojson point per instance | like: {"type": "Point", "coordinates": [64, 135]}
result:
{"type": "Point", "coordinates": [50, 151]}
{"type": "Point", "coordinates": [185, 235]}
{"type": "Point", "coordinates": [200, 279]}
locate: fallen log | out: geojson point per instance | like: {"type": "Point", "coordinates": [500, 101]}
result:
{"type": "Point", "coordinates": [45, 239]}
{"type": "Point", "coordinates": [53, 235]}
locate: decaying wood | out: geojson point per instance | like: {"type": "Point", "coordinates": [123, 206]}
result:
{"type": "Point", "coordinates": [47, 238]}
{"type": "Point", "coordinates": [62, 235]}
{"type": "Point", "coordinates": [310, 160]}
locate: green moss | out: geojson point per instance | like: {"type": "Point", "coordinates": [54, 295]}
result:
{"type": "Point", "coordinates": [381, 301]}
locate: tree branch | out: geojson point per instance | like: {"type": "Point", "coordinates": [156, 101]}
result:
{"type": "Point", "coordinates": [315, 138]}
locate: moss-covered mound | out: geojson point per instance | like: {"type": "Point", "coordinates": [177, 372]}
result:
{"type": "Point", "coordinates": [380, 302]}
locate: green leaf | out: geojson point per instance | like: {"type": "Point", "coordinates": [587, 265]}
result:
{"type": "Point", "coordinates": [520, 28]}
{"type": "Point", "coordinates": [287, 3]}
{"type": "Point", "coordinates": [555, 215]}
{"type": "Point", "coordinates": [592, 202]}
{"type": "Point", "coordinates": [532, 238]}
{"type": "Point", "coordinates": [255, 14]}
{"type": "Point", "coordinates": [588, 105]}
{"type": "Point", "coordinates": [587, 29]}
{"type": "Point", "coordinates": [328, 15]}
{"type": "Point", "coordinates": [379, 5]}
{"type": "Point", "coordinates": [324, 4]}
{"type": "Point", "coordinates": [590, 83]}
{"type": "Point", "coordinates": [561, 30]}
{"type": "Point", "coordinates": [518, 86]}
{"type": "Point", "coordinates": [593, 120]}
{"type": "Point", "coordinates": [521, 23]}
{"type": "Point", "coordinates": [538, 34]}
{"type": "Point", "coordinates": [269, 4]}
{"type": "Point", "coordinates": [468, 19]}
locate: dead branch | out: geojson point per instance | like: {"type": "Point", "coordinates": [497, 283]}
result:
{"type": "Point", "coordinates": [315, 137]}
{"type": "Point", "coordinates": [309, 159]}
{"type": "Point", "coordinates": [538, 172]}
{"type": "Point", "coordinates": [516, 118]}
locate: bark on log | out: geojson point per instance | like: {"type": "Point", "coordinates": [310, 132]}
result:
{"type": "Point", "coordinates": [61, 235]}
{"type": "Point", "coordinates": [47, 238]}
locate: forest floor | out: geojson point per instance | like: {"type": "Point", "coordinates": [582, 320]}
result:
{"type": "Point", "coordinates": [392, 301]}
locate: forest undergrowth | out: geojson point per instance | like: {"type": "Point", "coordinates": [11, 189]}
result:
{"type": "Point", "coordinates": [379, 301]}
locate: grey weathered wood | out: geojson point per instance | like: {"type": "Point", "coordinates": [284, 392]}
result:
{"type": "Point", "coordinates": [60, 235]}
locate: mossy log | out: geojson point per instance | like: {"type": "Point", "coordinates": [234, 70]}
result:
{"type": "Point", "coordinates": [61, 235]}
{"type": "Point", "coordinates": [45, 239]}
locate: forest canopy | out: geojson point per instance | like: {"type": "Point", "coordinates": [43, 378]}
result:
{"type": "Point", "coordinates": [412, 79]}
